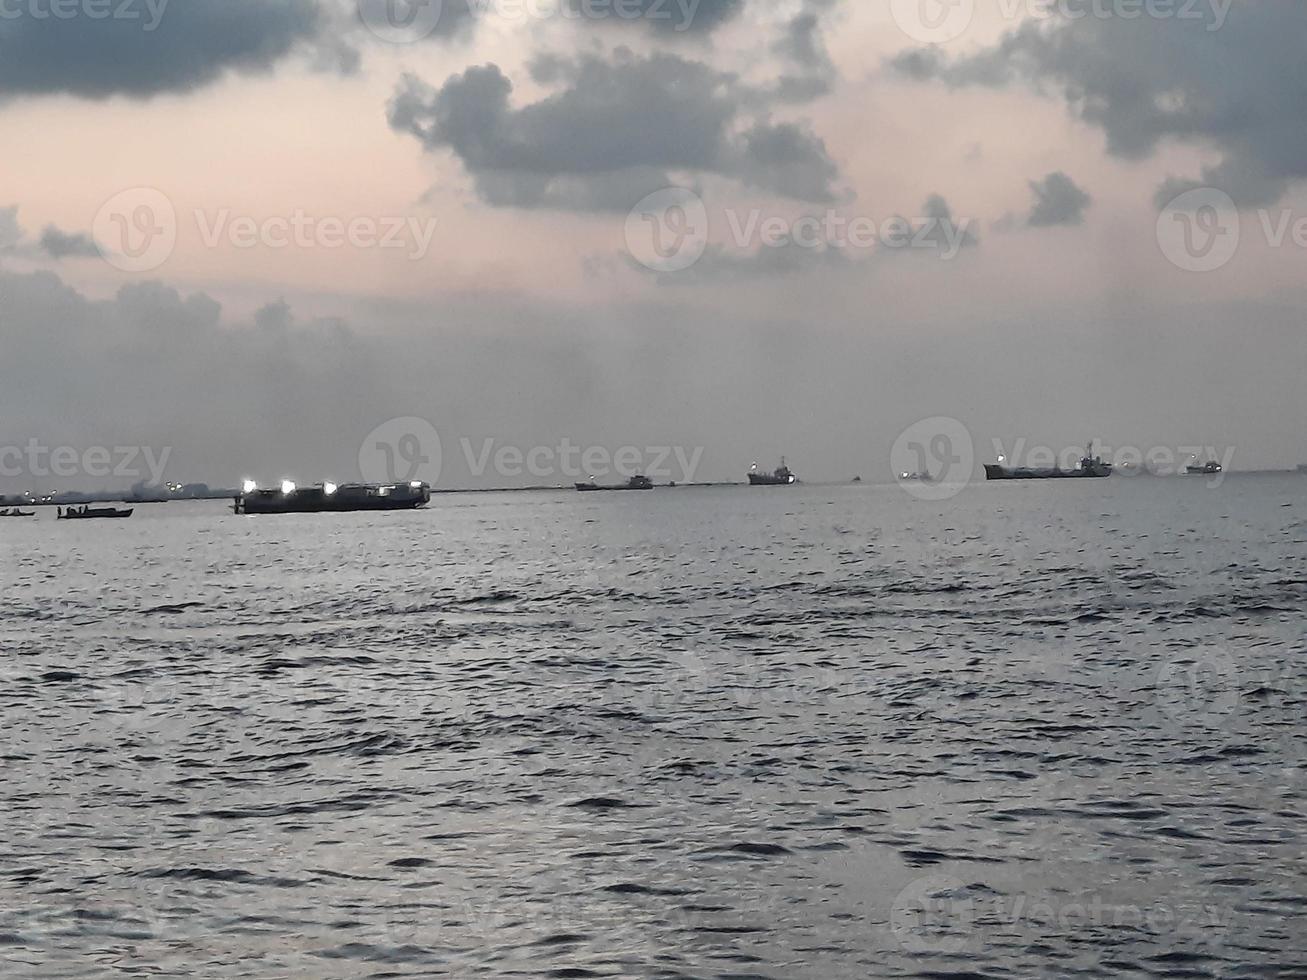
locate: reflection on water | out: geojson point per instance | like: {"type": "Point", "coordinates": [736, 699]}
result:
{"type": "Point", "coordinates": [806, 732]}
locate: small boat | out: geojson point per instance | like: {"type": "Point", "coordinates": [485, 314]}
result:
{"type": "Point", "coordinates": [634, 483]}
{"type": "Point", "coordinates": [1210, 468]}
{"type": "Point", "coordinates": [783, 476]}
{"type": "Point", "coordinates": [93, 513]}
{"type": "Point", "coordinates": [916, 478]}
{"type": "Point", "coordinates": [1091, 467]}
{"type": "Point", "coordinates": [16, 513]}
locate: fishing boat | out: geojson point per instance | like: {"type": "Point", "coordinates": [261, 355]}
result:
{"type": "Point", "coordinates": [634, 483]}
{"type": "Point", "coordinates": [782, 476]}
{"type": "Point", "coordinates": [1091, 467]}
{"type": "Point", "coordinates": [328, 498]}
{"type": "Point", "coordinates": [94, 513]}
{"type": "Point", "coordinates": [1210, 468]}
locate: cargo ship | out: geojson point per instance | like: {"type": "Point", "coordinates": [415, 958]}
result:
{"type": "Point", "coordinates": [1091, 467]}
{"type": "Point", "coordinates": [329, 498]}
{"type": "Point", "coordinates": [635, 483]}
{"type": "Point", "coordinates": [781, 477]}
{"type": "Point", "coordinates": [94, 513]}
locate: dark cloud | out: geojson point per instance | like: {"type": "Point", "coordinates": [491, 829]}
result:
{"type": "Point", "coordinates": [1235, 84]}
{"type": "Point", "coordinates": [936, 230]}
{"type": "Point", "coordinates": [801, 45]}
{"type": "Point", "coordinates": [665, 17]}
{"type": "Point", "coordinates": [64, 245]}
{"type": "Point", "coordinates": [611, 130]}
{"type": "Point", "coordinates": [160, 47]}
{"type": "Point", "coordinates": [1058, 201]}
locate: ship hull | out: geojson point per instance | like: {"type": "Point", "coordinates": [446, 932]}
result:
{"type": "Point", "coordinates": [762, 480]}
{"type": "Point", "coordinates": [346, 500]}
{"type": "Point", "coordinates": [994, 472]}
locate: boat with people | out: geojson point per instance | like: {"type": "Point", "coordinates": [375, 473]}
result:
{"type": "Point", "coordinates": [634, 483]}
{"type": "Point", "coordinates": [332, 499]}
{"type": "Point", "coordinates": [1091, 467]}
{"type": "Point", "coordinates": [782, 476]}
{"type": "Point", "coordinates": [94, 513]}
{"type": "Point", "coordinates": [15, 512]}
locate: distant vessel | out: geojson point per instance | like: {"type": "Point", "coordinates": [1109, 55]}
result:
{"type": "Point", "coordinates": [16, 513]}
{"type": "Point", "coordinates": [93, 513]}
{"type": "Point", "coordinates": [1210, 468]}
{"type": "Point", "coordinates": [329, 498]}
{"type": "Point", "coordinates": [916, 478]}
{"type": "Point", "coordinates": [782, 477]}
{"type": "Point", "coordinates": [634, 483]}
{"type": "Point", "coordinates": [1091, 467]}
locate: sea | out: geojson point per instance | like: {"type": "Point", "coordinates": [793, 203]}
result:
{"type": "Point", "coordinates": [1043, 729]}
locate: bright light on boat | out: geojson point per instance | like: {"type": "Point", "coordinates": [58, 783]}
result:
{"type": "Point", "coordinates": [329, 488]}
{"type": "Point", "coordinates": [250, 486]}
{"type": "Point", "coordinates": [416, 484]}
{"type": "Point", "coordinates": [287, 487]}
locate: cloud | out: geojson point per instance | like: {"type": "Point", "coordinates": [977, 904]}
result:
{"type": "Point", "coordinates": [1236, 85]}
{"type": "Point", "coordinates": [609, 133]}
{"type": "Point", "coordinates": [1058, 201]}
{"type": "Point", "coordinates": [801, 45]}
{"type": "Point", "coordinates": [147, 48]}
{"type": "Point", "coordinates": [65, 245]}
{"type": "Point", "coordinates": [11, 232]}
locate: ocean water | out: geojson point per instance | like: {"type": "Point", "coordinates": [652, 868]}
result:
{"type": "Point", "coordinates": [826, 732]}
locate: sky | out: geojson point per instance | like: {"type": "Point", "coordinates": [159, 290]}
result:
{"type": "Point", "coordinates": [471, 241]}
